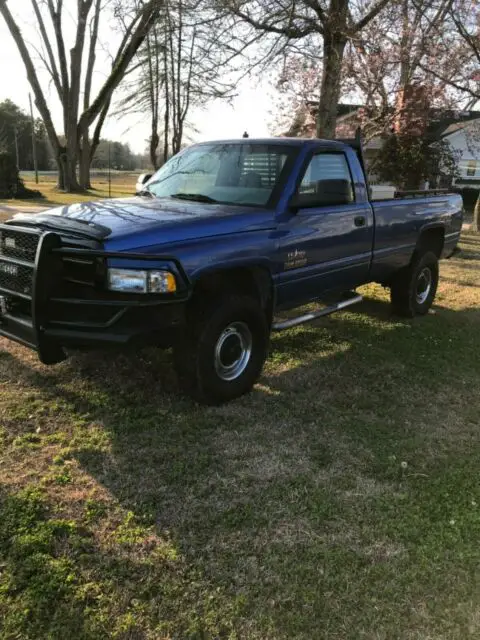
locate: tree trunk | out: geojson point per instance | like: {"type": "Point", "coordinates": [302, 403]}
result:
{"type": "Point", "coordinates": [333, 49]}
{"type": "Point", "coordinates": [67, 174]}
{"type": "Point", "coordinates": [154, 141]}
{"type": "Point", "coordinates": [61, 181]}
{"type": "Point", "coordinates": [84, 170]}
{"type": "Point", "coordinates": [84, 165]}
{"type": "Point", "coordinates": [166, 115]}
{"type": "Point", "coordinates": [476, 216]}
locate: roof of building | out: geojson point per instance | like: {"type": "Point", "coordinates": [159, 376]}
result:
{"type": "Point", "coordinates": [445, 122]}
{"type": "Point", "coordinates": [441, 122]}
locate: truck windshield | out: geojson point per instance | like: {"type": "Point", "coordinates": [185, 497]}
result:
{"type": "Point", "coordinates": [230, 173]}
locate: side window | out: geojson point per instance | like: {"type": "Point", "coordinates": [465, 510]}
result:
{"type": "Point", "coordinates": [327, 181]}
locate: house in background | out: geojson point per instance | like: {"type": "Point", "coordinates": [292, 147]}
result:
{"type": "Point", "coordinates": [464, 137]}
{"type": "Point", "coordinates": [460, 128]}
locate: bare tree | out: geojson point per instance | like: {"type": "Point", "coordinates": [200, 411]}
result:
{"type": "Point", "coordinates": [334, 24]}
{"type": "Point", "coordinates": [66, 76]}
{"type": "Point", "coordinates": [184, 62]}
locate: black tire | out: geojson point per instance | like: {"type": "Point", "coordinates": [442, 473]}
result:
{"type": "Point", "coordinates": [233, 322]}
{"type": "Point", "coordinates": [414, 288]}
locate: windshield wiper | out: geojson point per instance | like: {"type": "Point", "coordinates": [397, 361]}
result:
{"type": "Point", "coordinates": [194, 197]}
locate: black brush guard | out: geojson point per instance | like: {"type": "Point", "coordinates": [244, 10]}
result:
{"type": "Point", "coordinates": [29, 270]}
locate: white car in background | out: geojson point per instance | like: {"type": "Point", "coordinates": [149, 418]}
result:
{"type": "Point", "coordinates": [142, 179]}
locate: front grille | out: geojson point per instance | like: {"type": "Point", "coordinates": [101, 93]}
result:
{"type": "Point", "coordinates": [22, 246]}
{"type": "Point", "coordinates": [17, 244]}
{"type": "Point", "coordinates": [16, 277]}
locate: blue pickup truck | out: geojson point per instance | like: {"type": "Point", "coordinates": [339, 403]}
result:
{"type": "Point", "coordinates": [217, 243]}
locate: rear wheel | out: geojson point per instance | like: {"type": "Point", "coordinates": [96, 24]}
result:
{"type": "Point", "coordinates": [413, 290]}
{"type": "Point", "coordinates": [222, 352]}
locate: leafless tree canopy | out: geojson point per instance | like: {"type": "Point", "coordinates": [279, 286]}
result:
{"type": "Point", "coordinates": [329, 26]}
{"type": "Point", "coordinates": [71, 72]}
{"type": "Point", "coordinates": [186, 60]}
{"type": "Point", "coordinates": [176, 55]}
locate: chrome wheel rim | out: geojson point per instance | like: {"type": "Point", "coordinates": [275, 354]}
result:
{"type": "Point", "coordinates": [233, 351]}
{"type": "Point", "coordinates": [424, 285]}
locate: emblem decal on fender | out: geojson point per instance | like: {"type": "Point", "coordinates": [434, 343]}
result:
{"type": "Point", "coordinates": [296, 259]}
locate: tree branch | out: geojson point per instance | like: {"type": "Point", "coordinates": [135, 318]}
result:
{"type": "Point", "coordinates": [451, 83]}
{"type": "Point", "coordinates": [52, 67]}
{"type": "Point", "coordinates": [91, 54]}
{"type": "Point", "coordinates": [288, 31]}
{"type": "Point", "coordinates": [56, 15]}
{"type": "Point", "coordinates": [98, 129]}
{"type": "Point", "coordinates": [316, 7]}
{"type": "Point", "coordinates": [148, 15]}
{"type": "Point", "coordinates": [373, 13]}
{"type": "Point", "coordinates": [468, 38]}
{"type": "Point", "coordinates": [31, 74]}
{"type": "Point", "coordinates": [76, 55]}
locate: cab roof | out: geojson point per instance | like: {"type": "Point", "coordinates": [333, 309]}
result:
{"type": "Point", "coordinates": [293, 142]}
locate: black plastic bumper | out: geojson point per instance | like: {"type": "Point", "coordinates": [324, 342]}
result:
{"type": "Point", "coordinates": [37, 314]}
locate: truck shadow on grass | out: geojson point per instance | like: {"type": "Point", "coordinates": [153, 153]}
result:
{"type": "Point", "coordinates": [252, 501]}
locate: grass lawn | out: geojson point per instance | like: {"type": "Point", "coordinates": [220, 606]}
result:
{"type": "Point", "coordinates": [122, 185]}
{"type": "Point", "coordinates": [339, 500]}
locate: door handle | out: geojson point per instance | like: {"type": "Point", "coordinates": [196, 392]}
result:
{"type": "Point", "coordinates": [360, 221]}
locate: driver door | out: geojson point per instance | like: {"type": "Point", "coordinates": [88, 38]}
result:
{"type": "Point", "coordinates": [326, 243]}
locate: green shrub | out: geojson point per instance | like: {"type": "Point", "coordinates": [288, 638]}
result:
{"type": "Point", "coordinates": [407, 160]}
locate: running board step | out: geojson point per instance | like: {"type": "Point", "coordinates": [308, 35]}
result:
{"type": "Point", "coordinates": [313, 315]}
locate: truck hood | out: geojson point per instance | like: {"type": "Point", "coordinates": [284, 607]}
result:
{"type": "Point", "coordinates": [128, 223]}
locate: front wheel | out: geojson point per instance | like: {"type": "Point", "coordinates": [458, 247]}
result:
{"type": "Point", "coordinates": [222, 352]}
{"type": "Point", "coordinates": [413, 290]}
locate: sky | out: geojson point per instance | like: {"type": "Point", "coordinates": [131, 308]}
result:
{"type": "Point", "coordinates": [249, 111]}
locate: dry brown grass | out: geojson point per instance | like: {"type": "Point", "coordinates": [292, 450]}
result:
{"type": "Point", "coordinates": [122, 184]}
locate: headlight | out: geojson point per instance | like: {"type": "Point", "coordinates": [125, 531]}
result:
{"type": "Point", "coordinates": [141, 281]}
